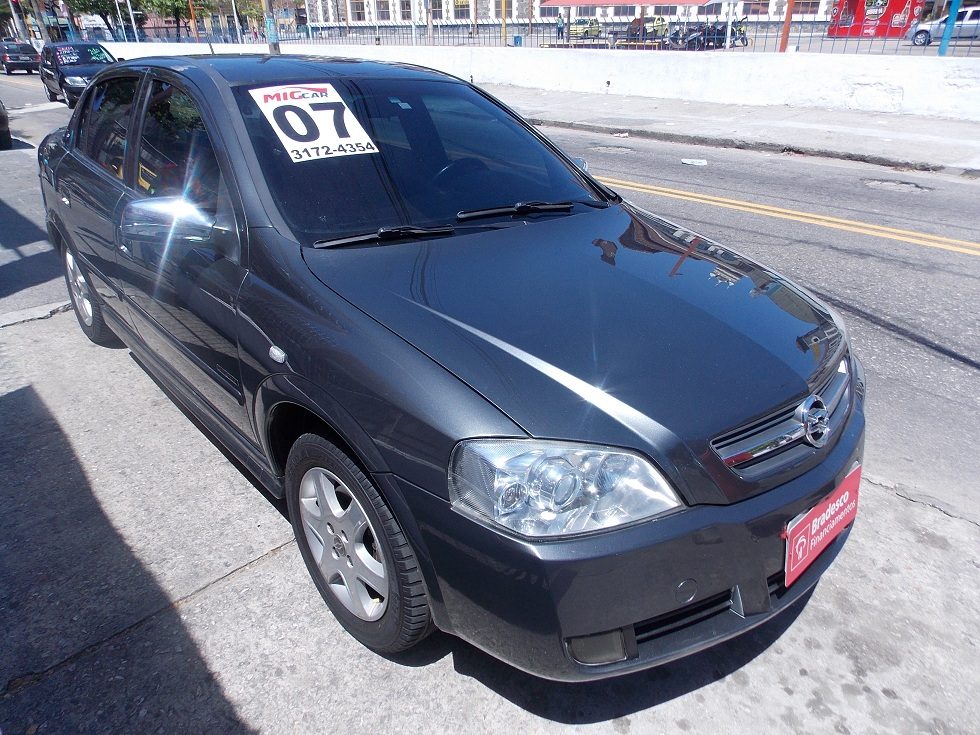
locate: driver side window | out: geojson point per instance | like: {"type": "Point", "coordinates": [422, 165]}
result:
{"type": "Point", "coordinates": [176, 157]}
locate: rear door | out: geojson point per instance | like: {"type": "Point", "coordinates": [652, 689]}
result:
{"type": "Point", "coordinates": [183, 292]}
{"type": "Point", "coordinates": [89, 182]}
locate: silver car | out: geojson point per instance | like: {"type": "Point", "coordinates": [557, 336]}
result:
{"type": "Point", "coordinates": [967, 25]}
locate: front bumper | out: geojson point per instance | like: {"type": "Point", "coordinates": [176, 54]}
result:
{"type": "Point", "coordinates": [668, 587]}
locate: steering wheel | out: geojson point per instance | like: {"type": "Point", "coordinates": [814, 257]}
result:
{"type": "Point", "coordinates": [457, 168]}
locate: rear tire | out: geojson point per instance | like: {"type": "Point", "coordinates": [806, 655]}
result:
{"type": "Point", "coordinates": [352, 545]}
{"type": "Point", "coordinates": [921, 38]}
{"type": "Point", "coordinates": [6, 142]}
{"type": "Point", "coordinates": [85, 303]}
{"type": "Point", "coordinates": [6, 70]}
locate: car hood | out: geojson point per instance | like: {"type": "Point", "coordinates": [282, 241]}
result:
{"type": "Point", "coordinates": [611, 326]}
{"type": "Point", "coordinates": [81, 70]}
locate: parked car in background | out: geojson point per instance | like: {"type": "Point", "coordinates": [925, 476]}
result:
{"type": "Point", "coordinates": [584, 28]}
{"type": "Point", "coordinates": [67, 67]}
{"type": "Point", "coordinates": [6, 142]}
{"type": "Point", "coordinates": [19, 57]}
{"type": "Point", "coordinates": [967, 25]}
{"type": "Point", "coordinates": [498, 399]}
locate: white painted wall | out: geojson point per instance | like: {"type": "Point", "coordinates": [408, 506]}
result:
{"type": "Point", "coordinates": [942, 87]}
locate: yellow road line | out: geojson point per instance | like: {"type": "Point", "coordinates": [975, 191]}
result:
{"type": "Point", "coordinates": [864, 228]}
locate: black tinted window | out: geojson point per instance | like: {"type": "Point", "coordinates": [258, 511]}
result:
{"type": "Point", "coordinates": [176, 157]}
{"type": "Point", "coordinates": [437, 148]}
{"type": "Point", "coordinates": [82, 54]}
{"type": "Point", "coordinates": [105, 121]}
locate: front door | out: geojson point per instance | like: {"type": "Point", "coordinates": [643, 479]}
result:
{"type": "Point", "coordinates": [89, 182]}
{"type": "Point", "coordinates": [183, 291]}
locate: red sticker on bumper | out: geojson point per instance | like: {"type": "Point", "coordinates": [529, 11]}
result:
{"type": "Point", "coordinates": [809, 534]}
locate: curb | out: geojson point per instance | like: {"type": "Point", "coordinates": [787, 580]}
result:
{"type": "Point", "coordinates": [758, 145]}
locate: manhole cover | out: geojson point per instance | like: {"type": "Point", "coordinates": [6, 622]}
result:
{"type": "Point", "coordinates": [620, 149]}
{"type": "Point", "coordinates": [888, 185]}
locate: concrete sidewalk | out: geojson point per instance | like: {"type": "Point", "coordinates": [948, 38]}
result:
{"type": "Point", "coordinates": [904, 141]}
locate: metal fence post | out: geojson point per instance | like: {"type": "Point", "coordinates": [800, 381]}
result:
{"type": "Point", "coordinates": [954, 8]}
{"type": "Point", "coordinates": [784, 37]}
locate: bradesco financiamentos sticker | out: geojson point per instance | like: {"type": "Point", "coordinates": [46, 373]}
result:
{"type": "Point", "coordinates": [312, 121]}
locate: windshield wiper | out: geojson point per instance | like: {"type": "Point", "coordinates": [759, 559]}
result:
{"type": "Point", "coordinates": [387, 233]}
{"type": "Point", "coordinates": [527, 208]}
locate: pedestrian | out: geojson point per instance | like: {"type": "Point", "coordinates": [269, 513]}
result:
{"type": "Point", "coordinates": [560, 27]}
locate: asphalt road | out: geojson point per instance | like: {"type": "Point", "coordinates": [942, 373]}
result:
{"type": "Point", "coordinates": [145, 585]}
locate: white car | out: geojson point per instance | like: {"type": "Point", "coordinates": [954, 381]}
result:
{"type": "Point", "coordinates": [967, 26]}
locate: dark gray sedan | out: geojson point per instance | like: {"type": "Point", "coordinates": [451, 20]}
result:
{"type": "Point", "coordinates": [498, 399]}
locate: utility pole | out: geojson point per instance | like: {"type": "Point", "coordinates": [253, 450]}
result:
{"type": "Point", "coordinates": [132, 19]}
{"type": "Point", "coordinates": [503, 21]}
{"type": "Point", "coordinates": [190, 5]}
{"type": "Point", "coordinates": [271, 29]}
{"type": "Point", "coordinates": [784, 38]}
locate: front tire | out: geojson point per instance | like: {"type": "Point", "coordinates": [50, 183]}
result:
{"type": "Point", "coordinates": [921, 38]}
{"type": "Point", "coordinates": [6, 70]}
{"type": "Point", "coordinates": [357, 554]}
{"type": "Point", "coordinates": [87, 309]}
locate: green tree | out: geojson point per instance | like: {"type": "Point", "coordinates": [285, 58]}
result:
{"type": "Point", "coordinates": [177, 9]}
{"type": "Point", "coordinates": [105, 9]}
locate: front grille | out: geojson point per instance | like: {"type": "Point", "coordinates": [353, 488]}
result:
{"type": "Point", "coordinates": [766, 445]}
{"type": "Point", "coordinates": [699, 612]}
{"type": "Point", "coordinates": [664, 624]}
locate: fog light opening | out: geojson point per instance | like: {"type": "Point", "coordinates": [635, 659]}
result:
{"type": "Point", "coordinates": [601, 648]}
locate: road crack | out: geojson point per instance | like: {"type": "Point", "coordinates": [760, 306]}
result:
{"type": "Point", "coordinates": [904, 495]}
{"type": "Point", "coordinates": [30, 316]}
{"type": "Point", "coordinates": [20, 683]}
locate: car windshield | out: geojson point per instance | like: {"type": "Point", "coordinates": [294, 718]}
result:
{"type": "Point", "coordinates": [77, 54]}
{"type": "Point", "coordinates": [343, 158]}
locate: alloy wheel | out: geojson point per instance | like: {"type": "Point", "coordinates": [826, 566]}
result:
{"type": "Point", "coordinates": [344, 544]}
{"type": "Point", "coordinates": [80, 293]}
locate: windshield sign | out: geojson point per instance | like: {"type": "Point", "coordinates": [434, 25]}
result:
{"type": "Point", "coordinates": [343, 158]}
{"type": "Point", "coordinates": [73, 55]}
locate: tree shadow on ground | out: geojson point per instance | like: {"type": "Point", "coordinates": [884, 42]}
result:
{"type": "Point", "coordinates": [90, 641]}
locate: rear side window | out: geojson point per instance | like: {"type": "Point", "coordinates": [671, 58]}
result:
{"type": "Point", "coordinates": [105, 123]}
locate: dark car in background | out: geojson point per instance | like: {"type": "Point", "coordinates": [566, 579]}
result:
{"type": "Point", "coordinates": [67, 67]}
{"type": "Point", "coordinates": [19, 57]}
{"type": "Point", "coordinates": [498, 399]}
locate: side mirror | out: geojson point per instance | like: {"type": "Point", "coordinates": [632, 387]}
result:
{"type": "Point", "coordinates": [163, 220]}
{"type": "Point", "coordinates": [581, 163]}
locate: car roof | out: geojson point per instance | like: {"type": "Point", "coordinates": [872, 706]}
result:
{"type": "Point", "coordinates": [238, 69]}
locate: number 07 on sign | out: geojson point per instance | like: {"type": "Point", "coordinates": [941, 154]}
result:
{"type": "Point", "coordinates": [312, 121]}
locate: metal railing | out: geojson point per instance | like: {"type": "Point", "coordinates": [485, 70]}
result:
{"type": "Point", "coordinates": [752, 34]}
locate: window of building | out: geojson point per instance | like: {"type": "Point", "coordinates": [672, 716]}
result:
{"type": "Point", "coordinates": [584, 11]}
{"type": "Point", "coordinates": [756, 8]}
{"type": "Point", "coordinates": [624, 11]}
{"type": "Point", "coordinates": [461, 9]}
{"type": "Point", "coordinates": [713, 9]}
{"type": "Point", "coordinates": [384, 10]}
{"type": "Point", "coordinates": [406, 9]}
{"type": "Point", "coordinates": [806, 7]}
{"type": "Point", "coordinates": [435, 6]}
{"type": "Point", "coordinates": [550, 12]}
{"type": "Point", "coordinates": [357, 10]}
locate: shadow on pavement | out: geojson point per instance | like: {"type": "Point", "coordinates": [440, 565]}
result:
{"type": "Point", "coordinates": [90, 642]}
{"type": "Point", "coordinates": [24, 271]}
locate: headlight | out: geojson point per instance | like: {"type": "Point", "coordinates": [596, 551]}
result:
{"type": "Point", "coordinates": [544, 488]}
{"type": "Point", "coordinates": [76, 81]}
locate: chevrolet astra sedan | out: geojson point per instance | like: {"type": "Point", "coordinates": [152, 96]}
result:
{"type": "Point", "coordinates": [498, 399]}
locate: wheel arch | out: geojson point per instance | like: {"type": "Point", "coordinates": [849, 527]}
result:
{"type": "Point", "coordinates": [286, 407]}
